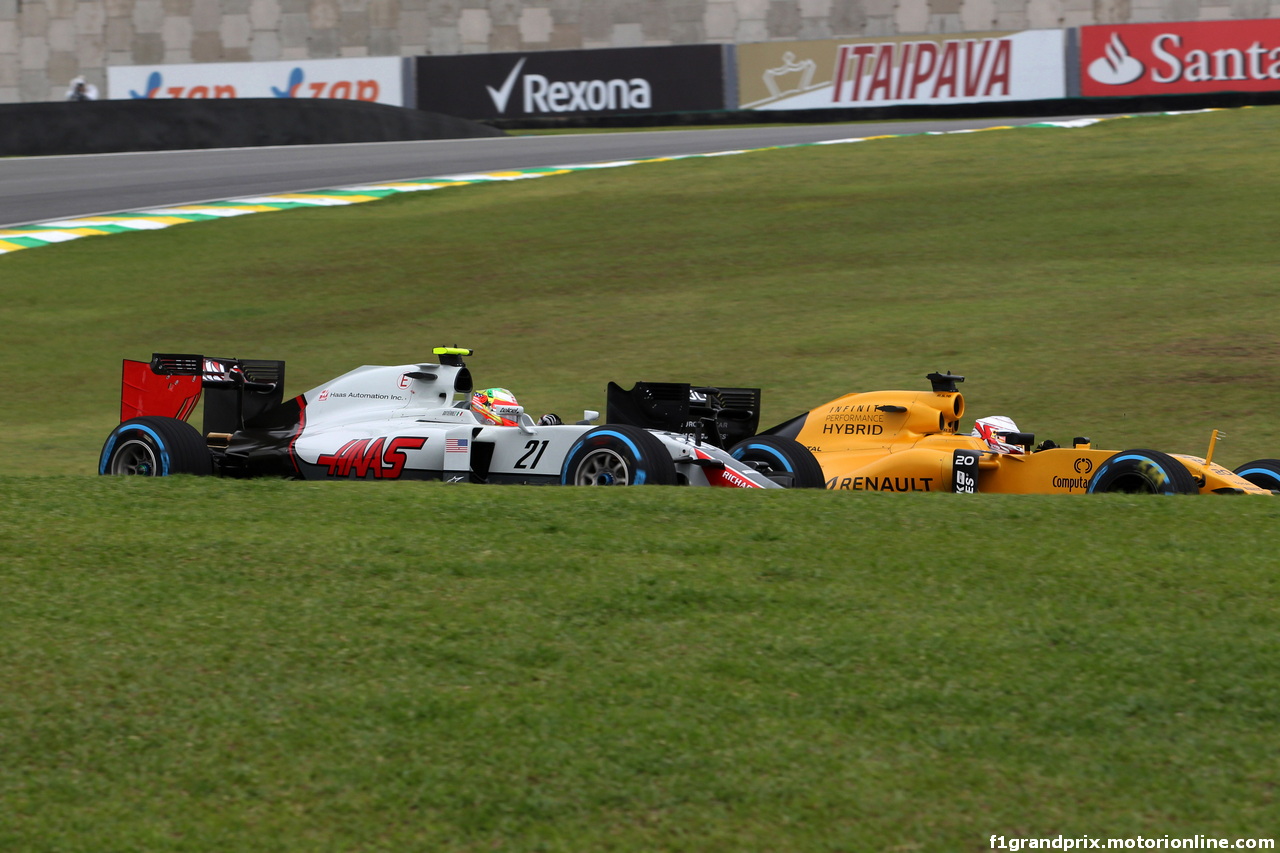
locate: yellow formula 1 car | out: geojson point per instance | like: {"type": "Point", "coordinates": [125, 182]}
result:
{"type": "Point", "coordinates": [909, 441]}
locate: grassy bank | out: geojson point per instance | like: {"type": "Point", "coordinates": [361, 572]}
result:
{"type": "Point", "coordinates": [286, 666]}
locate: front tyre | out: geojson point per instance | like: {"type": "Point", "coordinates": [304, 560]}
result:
{"type": "Point", "coordinates": [1143, 472]}
{"type": "Point", "coordinates": [784, 460]}
{"type": "Point", "coordinates": [1261, 472]}
{"type": "Point", "coordinates": [618, 455]}
{"type": "Point", "coordinates": [155, 447]}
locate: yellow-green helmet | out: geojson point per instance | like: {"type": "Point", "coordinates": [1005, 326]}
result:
{"type": "Point", "coordinates": [492, 405]}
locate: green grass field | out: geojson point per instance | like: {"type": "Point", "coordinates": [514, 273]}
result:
{"type": "Point", "coordinates": [290, 666]}
{"type": "Point", "coordinates": [207, 665]}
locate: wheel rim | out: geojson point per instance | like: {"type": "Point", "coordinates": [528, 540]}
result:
{"type": "Point", "coordinates": [602, 467]}
{"type": "Point", "coordinates": [1147, 478]}
{"type": "Point", "coordinates": [135, 457]}
{"type": "Point", "coordinates": [1134, 484]}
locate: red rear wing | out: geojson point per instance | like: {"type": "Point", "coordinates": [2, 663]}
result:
{"type": "Point", "coordinates": [144, 392]}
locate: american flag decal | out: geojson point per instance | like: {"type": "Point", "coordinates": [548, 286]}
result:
{"type": "Point", "coordinates": [455, 445]}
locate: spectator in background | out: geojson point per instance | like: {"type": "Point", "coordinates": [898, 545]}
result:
{"type": "Point", "coordinates": [81, 90]}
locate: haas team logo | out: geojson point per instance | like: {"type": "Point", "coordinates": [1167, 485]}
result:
{"type": "Point", "coordinates": [1116, 66]}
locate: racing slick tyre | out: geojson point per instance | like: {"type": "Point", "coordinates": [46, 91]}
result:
{"type": "Point", "coordinates": [1143, 472]}
{"type": "Point", "coordinates": [618, 455]}
{"type": "Point", "coordinates": [784, 460]}
{"type": "Point", "coordinates": [1262, 472]}
{"type": "Point", "coordinates": [155, 447]}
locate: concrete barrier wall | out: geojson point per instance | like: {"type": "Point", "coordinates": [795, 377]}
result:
{"type": "Point", "coordinates": [46, 43]}
{"type": "Point", "coordinates": [177, 123]}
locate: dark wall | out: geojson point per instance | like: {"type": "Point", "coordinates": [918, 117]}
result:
{"type": "Point", "coordinates": [901, 112]}
{"type": "Point", "coordinates": [91, 127]}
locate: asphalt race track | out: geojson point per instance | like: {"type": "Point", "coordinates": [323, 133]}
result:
{"type": "Point", "coordinates": [38, 189]}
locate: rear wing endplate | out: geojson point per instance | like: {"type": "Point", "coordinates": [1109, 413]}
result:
{"type": "Point", "coordinates": [143, 391]}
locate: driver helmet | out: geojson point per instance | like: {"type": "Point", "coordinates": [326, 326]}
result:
{"type": "Point", "coordinates": [989, 429]}
{"type": "Point", "coordinates": [485, 404]}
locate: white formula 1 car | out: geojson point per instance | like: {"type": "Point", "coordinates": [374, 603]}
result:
{"type": "Point", "coordinates": [415, 421]}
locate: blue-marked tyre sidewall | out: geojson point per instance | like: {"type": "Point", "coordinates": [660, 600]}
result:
{"type": "Point", "coordinates": [1264, 473]}
{"type": "Point", "coordinates": [790, 463]}
{"type": "Point", "coordinates": [618, 456]}
{"type": "Point", "coordinates": [1143, 472]}
{"type": "Point", "coordinates": [155, 447]}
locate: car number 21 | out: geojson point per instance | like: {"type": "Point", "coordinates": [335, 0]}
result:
{"type": "Point", "coordinates": [535, 449]}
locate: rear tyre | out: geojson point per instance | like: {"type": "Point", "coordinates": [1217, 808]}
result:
{"type": "Point", "coordinates": [1143, 472]}
{"type": "Point", "coordinates": [784, 460]}
{"type": "Point", "coordinates": [155, 447]}
{"type": "Point", "coordinates": [1262, 472]}
{"type": "Point", "coordinates": [618, 455]}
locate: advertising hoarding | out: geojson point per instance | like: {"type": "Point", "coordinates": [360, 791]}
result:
{"type": "Point", "coordinates": [1180, 58]}
{"type": "Point", "coordinates": [900, 70]}
{"type": "Point", "coordinates": [379, 80]}
{"type": "Point", "coordinates": [542, 84]}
